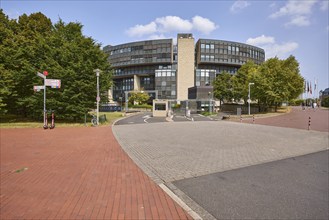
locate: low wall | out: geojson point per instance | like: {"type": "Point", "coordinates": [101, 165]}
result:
{"type": "Point", "coordinates": [232, 109]}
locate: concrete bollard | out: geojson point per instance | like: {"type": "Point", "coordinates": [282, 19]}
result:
{"type": "Point", "coordinates": [240, 119]}
{"type": "Point", "coordinates": [309, 123]}
{"type": "Point", "coordinates": [253, 119]}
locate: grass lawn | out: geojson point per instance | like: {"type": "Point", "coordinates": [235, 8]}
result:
{"type": "Point", "coordinates": [12, 121]}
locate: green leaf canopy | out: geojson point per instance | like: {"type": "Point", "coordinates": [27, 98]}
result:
{"type": "Point", "coordinates": [33, 44]}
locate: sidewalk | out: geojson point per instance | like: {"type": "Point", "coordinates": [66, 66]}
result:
{"type": "Point", "coordinates": [76, 173]}
{"type": "Point", "coordinates": [297, 118]}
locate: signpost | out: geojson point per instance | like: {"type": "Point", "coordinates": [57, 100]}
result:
{"type": "Point", "coordinates": [54, 83]}
{"type": "Point", "coordinates": [38, 88]}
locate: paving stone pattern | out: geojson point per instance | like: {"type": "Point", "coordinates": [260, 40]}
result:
{"type": "Point", "coordinates": [76, 173]}
{"type": "Point", "coordinates": [173, 151]}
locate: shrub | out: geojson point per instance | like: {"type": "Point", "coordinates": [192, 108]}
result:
{"type": "Point", "coordinates": [325, 102]}
{"type": "Point", "coordinates": [296, 102]}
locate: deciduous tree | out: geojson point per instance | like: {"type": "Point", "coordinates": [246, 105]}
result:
{"type": "Point", "coordinates": [33, 44]}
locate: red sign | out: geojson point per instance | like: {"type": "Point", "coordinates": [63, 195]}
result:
{"type": "Point", "coordinates": [45, 73]}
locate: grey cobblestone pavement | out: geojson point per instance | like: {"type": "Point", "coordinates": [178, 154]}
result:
{"type": "Point", "coordinates": [173, 151]}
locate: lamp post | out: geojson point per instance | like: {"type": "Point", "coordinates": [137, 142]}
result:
{"type": "Point", "coordinates": [97, 71]}
{"type": "Point", "coordinates": [210, 101]}
{"type": "Point", "coordinates": [249, 100]}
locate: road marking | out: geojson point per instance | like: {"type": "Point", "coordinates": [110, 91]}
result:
{"type": "Point", "coordinates": [146, 117]}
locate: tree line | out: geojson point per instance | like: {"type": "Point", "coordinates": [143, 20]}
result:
{"type": "Point", "coordinates": [275, 81]}
{"type": "Point", "coordinates": [32, 44]}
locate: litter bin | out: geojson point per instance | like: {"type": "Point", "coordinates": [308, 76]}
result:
{"type": "Point", "coordinates": [102, 118]}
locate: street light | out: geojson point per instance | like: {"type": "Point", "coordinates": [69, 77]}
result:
{"type": "Point", "coordinates": [210, 101]}
{"type": "Point", "coordinates": [249, 100]}
{"type": "Point", "coordinates": [97, 71]}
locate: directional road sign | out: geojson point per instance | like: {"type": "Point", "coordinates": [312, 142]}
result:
{"type": "Point", "coordinates": [54, 83]}
{"type": "Point", "coordinates": [41, 75]}
{"type": "Point", "coordinates": [38, 88]}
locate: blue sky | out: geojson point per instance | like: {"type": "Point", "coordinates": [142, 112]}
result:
{"type": "Point", "coordinates": [282, 28]}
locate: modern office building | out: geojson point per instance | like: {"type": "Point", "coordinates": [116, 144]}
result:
{"type": "Point", "coordinates": [172, 69]}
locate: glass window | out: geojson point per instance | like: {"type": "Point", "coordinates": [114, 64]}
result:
{"type": "Point", "coordinates": [207, 46]}
{"type": "Point", "coordinates": [229, 48]}
{"type": "Point", "coordinates": [212, 46]}
{"type": "Point", "coordinates": [160, 107]}
{"type": "Point", "coordinates": [203, 46]}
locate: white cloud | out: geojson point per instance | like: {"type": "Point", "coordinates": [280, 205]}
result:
{"type": "Point", "coordinates": [261, 40]}
{"type": "Point", "coordinates": [173, 23]}
{"type": "Point", "coordinates": [272, 48]}
{"type": "Point", "coordinates": [295, 8]}
{"type": "Point", "coordinates": [299, 12]}
{"type": "Point", "coordinates": [324, 5]}
{"type": "Point", "coordinates": [238, 6]}
{"type": "Point", "coordinates": [204, 25]}
{"type": "Point", "coordinates": [298, 21]}
{"type": "Point", "coordinates": [280, 50]}
{"type": "Point", "coordinates": [141, 30]}
{"type": "Point", "coordinates": [157, 36]}
{"type": "Point", "coordinates": [168, 24]}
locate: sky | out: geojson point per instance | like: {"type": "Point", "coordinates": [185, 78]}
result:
{"type": "Point", "coordinates": [281, 28]}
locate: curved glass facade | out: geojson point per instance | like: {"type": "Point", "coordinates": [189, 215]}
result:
{"type": "Point", "coordinates": [154, 64]}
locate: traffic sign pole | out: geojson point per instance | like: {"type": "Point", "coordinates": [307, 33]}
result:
{"type": "Point", "coordinates": [97, 71]}
{"type": "Point", "coordinates": [44, 103]}
{"type": "Point", "coordinates": [54, 83]}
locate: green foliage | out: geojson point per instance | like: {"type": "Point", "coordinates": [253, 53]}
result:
{"type": "Point", "coordinates": [139, 97]}
{"type": "Point", "coordinates": [145, 106]}
{"type": "Point", "coordinates": [176, 106]}
{"type": "Point", "coordinates": [296, 102]}
{"type": "Point", "coordinates": [325, 102]}
{"type": "Point", "coordinates": [33, 44]}
{"type": "Point", "coordinates": [242, 79]}
{"type": "Point", "coordinates": [275, 81]}
{"type": "Point", "coordinates": [207, 113]}
{"type": "Point", "coordinates": [223, 87]}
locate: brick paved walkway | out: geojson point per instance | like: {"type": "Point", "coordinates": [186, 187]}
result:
{"type": "Point", "coordinates": [76, 173]}
{"type": "Point", "coordinates": [298, 118]}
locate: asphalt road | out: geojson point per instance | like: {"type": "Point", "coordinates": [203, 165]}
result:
{"type": "Point", "coordinates": [146, 117]}
{"type": "Point", "coordinates": [139, 118]}
{"type": "Point", "coordinates": [294, 188]}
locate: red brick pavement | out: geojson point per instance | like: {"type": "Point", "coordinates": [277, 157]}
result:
{"type": "Point", "coordinates": [298, 118]}
{"type": "Point", "coordinates": [76, 173]}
